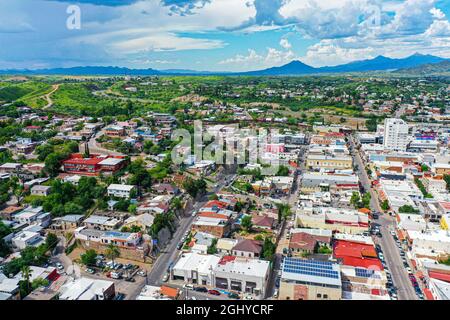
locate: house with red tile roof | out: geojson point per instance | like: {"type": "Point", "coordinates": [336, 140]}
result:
{"type": "Point", "coordinates": [356, 254]}
{"type": "Point", "coordinates": [247, 248]}
{"type": "Point", "coordinates": [303, 242]}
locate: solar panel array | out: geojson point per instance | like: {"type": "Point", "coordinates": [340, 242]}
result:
{"type": "Point", "coordinates": [366, 273]}
{"type": "Point", "coordinates": [310, 268]}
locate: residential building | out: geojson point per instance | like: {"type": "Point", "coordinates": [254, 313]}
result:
{"type": "Point", "coordinates": [120, 190]}
{"type": "Point", "coordinates": [396, 134]}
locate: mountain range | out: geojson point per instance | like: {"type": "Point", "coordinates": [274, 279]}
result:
{"type": "Point", "coordinates": [295, 67]}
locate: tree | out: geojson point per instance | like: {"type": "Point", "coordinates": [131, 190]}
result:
{"type": "Point", "coordinates": [89, 257]}
{"type": "Point", "coordinates": [212, 249]}
{"type": "Point", "coordinates": [246, 223]}
{"type": "Point", "coordinates": [112, 252]}
{"type": "Point", "coordinates": [284, 211]}
{"type": "Point", "coordinates": [407, 209]}
{"type": "Point", "coordinates": [354, 200]}
{"type": "Point", "coordinates": [371, 124]}
{"type": "Point", "coordinates": [51, 241]}
{"type": "Point", "coordinates": [39, 282]}
{"type": "Point", "coordinates": [52, 165]}
{"type": "Point", "coordinates": [194, 187]}
{"type": "Point", "coordinates": [269, 248]}
{"type": "Point", "coordinates": [385, 205]}
{"type": "Point", "coordinates": [283, 171]}
{"type": "Point", "coordinates": [26, 274]}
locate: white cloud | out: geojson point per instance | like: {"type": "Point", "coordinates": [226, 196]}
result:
{"type": "Point", "coordinates": [253, 60]}
{"type": "Point", "coordinates": [285, 44]}
{"type": "Point", "coordinates": [437, 13]}
{"type": "Point", "coordinates": [439, 28]}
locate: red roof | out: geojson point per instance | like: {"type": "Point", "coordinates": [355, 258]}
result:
{"type": "Point", "coordinates": [439, 276]}
{"type": "Point", "coordinates": [357, 254]}
{"type": "Point", "coordinates": [215, 203]}
{"type": "Point", "coordinates": [226, 259]}
{"type": "Point", "coordinates": [209, 214]}
{"type": "Point", "coordinates": [376, 292]}
{"type": "Point", "coordinates": [428, 294]}
{"type": "Point", "coordinates": [169, 291]}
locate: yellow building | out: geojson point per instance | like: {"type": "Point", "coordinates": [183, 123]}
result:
{"type": "Point", "coordinates": [329, 162]}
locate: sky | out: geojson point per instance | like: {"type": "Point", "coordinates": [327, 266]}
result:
{"type": "Point", "coordinates": [217, 35]}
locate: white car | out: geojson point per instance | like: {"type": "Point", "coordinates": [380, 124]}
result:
{"type": "Point", "coordinates": [142, 273]}
{"type": "Point", "coordinates": [59, 266]}
{"type": "Point", "coordinates": [275, 294]}
{"type": "Point", "coordinates": [188, 286]}
{"type": "Point", "coordinates": [165, 277]}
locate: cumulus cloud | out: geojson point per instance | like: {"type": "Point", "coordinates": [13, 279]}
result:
{"type": "Point", "coordinates": [285, 43]}
{"type": "Point", "coordinates": [272, 57]}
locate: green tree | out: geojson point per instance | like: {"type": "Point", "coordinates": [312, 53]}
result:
{"type": "Point", "coordinates": [283, 171]}
{"type": "Point", "coordinates": [26, 274]}
{"type": "Point", "coordinates": [39, 282]}
{"type": "Point", "coordinates": [385, 205]}
{"type": "Point", "coordinates": [354, 200]}
{"type": "Point", "coordinates": [212, 249]}
{"type": "Point", "coordinates": [269, 248]}
{"type": "Point", "coordinates": [407, 209]}
{"type": "Point", "coordinates": [112, 252]}
{"type": "Point", "coordinates": [89, 257]}
{"type": "Point", "coordinates": [246, 223]}
{"type": "Point", "coordinates": [51, 241]}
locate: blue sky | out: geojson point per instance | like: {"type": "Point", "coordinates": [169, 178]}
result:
{"type": "Point", "coordinates": [219, 35]}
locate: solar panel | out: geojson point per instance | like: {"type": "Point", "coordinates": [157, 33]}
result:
{"type": "Point", "coordinates": [310, 267]}
{"type": "Point", "coordinates": [366, 273]}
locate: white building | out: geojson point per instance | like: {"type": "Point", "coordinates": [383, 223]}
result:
{"type": "Point", "coordinates": [87, 289]}
{"type": "Point", "coordinates": [195, 268]}
{"type": "Point", "coordinates": [243, 275]}
{"type": "Point", "coordinates": [27, 239]}
{"type": "Point", "coordinates": [120, 190]}
{"type": "Point", "coordinates": [396, 134]}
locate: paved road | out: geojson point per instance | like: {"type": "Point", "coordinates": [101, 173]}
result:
{"type": "Point", "coordinates": [170, 252]}
{"type": "Point", "coordinates": [405, 290]}
{"type": "Point", "coordinates": [95, 148]}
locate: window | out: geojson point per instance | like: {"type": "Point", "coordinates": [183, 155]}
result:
{"type": "Point", "coordinates": [319, 295]}
{"type": "Point", "coordinates": [325, 296]}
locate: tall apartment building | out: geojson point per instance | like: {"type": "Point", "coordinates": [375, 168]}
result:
{"type": "Point", "coordinates": [396, 135]}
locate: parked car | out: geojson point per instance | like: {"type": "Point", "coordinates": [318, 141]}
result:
{"type": "Point", "coordinates": [200, 289]}
{"type": "Point", "coordinates": [233, 295]}
{"type": "Point", "coordinates": [142, 273]}
{"type": "Point", "coordinates": [188, 286]}
{"type": "Point", "coordinates": [116, 275]}
{"type": "Point", "coordinates": [165, 277]}
{"type": "Point", "coordinates": [129, 279]}
{"type": "Point", "coordinates": [119, 296]}
{"type": "Point", "coordinates": [275, 294]}
{"type": "Point", "coordinates": [90, 270]}
{"type": "Point", "coordinates": [179, 246]}
{"type": "Point", "coordinates": [59, 266]}
{"type": "Point", "coordinates": [214, 292]}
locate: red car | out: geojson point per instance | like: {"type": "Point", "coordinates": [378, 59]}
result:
{"type": "Point", "coordinates": [214, 292]}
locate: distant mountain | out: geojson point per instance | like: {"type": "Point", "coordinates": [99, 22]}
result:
{"type": "Point", "coordinates": [428, 69]}
{"type": "Point", "coordinates": [296, 67]}
{"type": "Point", "coordinates": [292, 68]}
{"type": "Point", "coordinates": [382, 63]}
{"type": "Point", "coordinates": [86, 71]}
